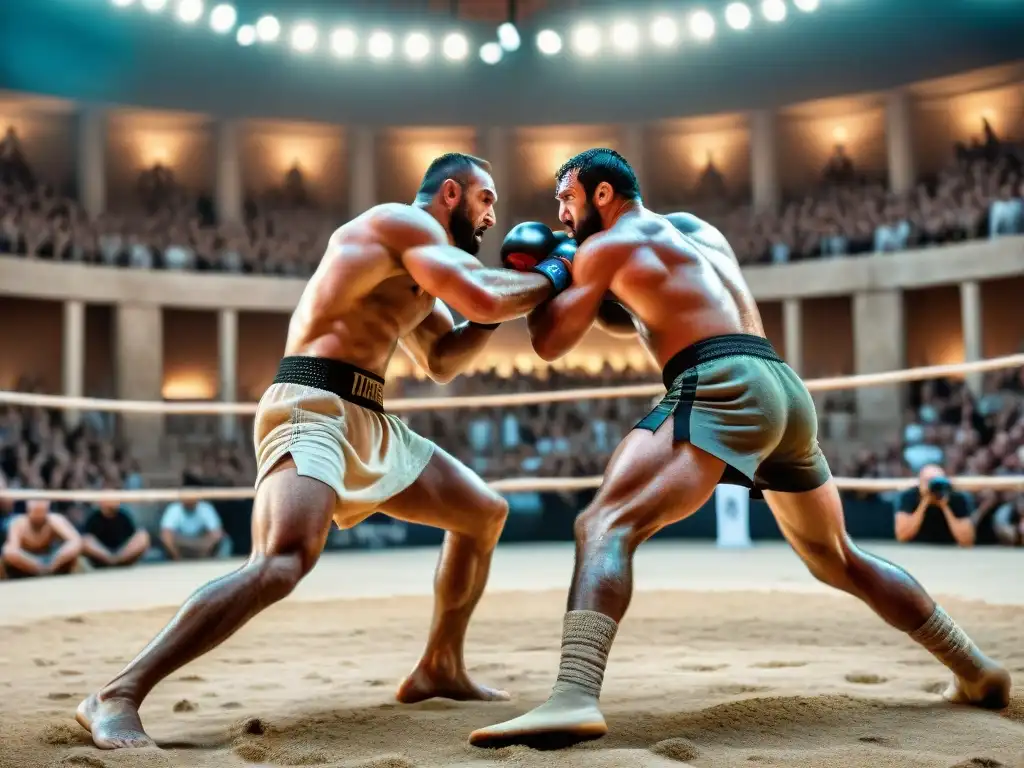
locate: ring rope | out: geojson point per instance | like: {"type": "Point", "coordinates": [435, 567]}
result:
{"type": "Point", "coordinates": [510, 485]}
{"type": "Point", "coordinates": [407, 405]}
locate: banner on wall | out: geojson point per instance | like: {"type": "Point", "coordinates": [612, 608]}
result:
{"type": "Point", "coordinates": [732, 513]}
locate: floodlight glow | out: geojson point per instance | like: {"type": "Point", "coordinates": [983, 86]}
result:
{"type": "Point", "coordinates": [154, 5]}
{"type": "Point", "coordinates": [343, 42]}
{"type": "Point", "coordinates": [773, 10]}
{"type": "Point", "coordinates": [455, 46]}
{"type": "Point", "coordinates": [380, 45]}
{"type": "Point", "coordinates": [246, 35]}
{"type": "Point", "coordinates": [223, 18]}
{"type": "Point", "coordinates": [304, 37]}
{"type": "Point", "coordinates": [586, 39]}
{"type": "Point", "coordinates": [807, 6]}
{"type": "Point", "coordinates": [664, 31]}
{"type": "Point", "coordinates": [490, 53]}
{"type": "Point", "coordinates": [738, 16]}
{"type": "Point", "coordinates": [549, 42]}
{"type": "Point", "coordinates": [417, 46]}
{"type": "Point", "coordinates": [189, 11]}
{"type": "Point", "coordinates": [268, 29]}
{"type": "Point", "coordinates": [625, 37]}
{"type": "Point", "coordinates": [508, 37]}
{"type": "Point", "coordinates": [702, 25]}
{"type": "Point", "coordinates": [122, 3]}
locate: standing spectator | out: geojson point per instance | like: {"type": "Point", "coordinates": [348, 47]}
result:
{"type": "Point", "coordinates": [933, 513]}
{"type": "Point", "coordinates": [112, 537]}
{"type": "Point", "coordinates": [40, 543]}
{"type": "Point", "coordinates": [191, 529]}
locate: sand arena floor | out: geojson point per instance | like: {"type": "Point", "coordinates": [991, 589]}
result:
{"type": "Point", "coordinates": [727, 658]}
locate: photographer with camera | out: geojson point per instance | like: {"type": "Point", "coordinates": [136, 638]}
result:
{"type": "Point", "coordinates": [933, 513]}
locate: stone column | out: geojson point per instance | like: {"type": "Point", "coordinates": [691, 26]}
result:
{"type": "Point", "coordinates": [362, 161]}
{"type": "Point", "coordinates": [73, 356]}
{"type": "Point", "coordinates": [91, 143]}
{"type": "Point", "coordinates": [971, 322]}
{"type": "Point", "coordinates": [879, 340]}
{"type": "Point", "coordinates": [229, 173]}
{"type": "Point", "coordinates": [900, 142]}
{"type": "Point", "coordinates": [764, 169]}
{"type": "Point", "coordinates": [227, 334]}
{"type": "Point", "coordinates": [493, 145]}
{"type": "Point", "coordinates": [793, 333]}
{"type": "Point", "coordinates": [139, 361]}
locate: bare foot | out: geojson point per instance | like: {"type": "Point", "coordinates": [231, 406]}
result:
{"type": "Point", "coordinates": [425, 683]}
{"type": "Point", "coordinates": [568, 717]}
{"type": "Point", "coordinates": [991, 690]}
{"type": "Point", "coordinates": [114, 723]}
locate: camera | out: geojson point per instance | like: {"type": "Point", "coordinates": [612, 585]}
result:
{"type": "Point", "coordinates": [940, 487]}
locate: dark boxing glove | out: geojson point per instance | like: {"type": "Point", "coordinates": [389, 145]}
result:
{"type": "Point", "coordinates": [527, 245]}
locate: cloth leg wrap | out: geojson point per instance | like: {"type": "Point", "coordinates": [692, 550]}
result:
{"type": "Point", "coordinates": [943, 638]}
{"type": "Point", "coordinates": [587, 638]}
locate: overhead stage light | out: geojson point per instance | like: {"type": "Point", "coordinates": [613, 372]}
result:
{"type": "Point", "coordinates": [549, 42]}
{"type": "Point", "coordinates": [223, 18]}
{"type": "Point", "coordinates": [738, 16]}
{"type": "Point", "coordinates": [490, 53]}
{"type": "Point", "coordinates": [455, 46]}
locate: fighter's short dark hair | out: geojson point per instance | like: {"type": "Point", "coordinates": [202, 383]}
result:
{"type": "Point", "coordinates": [601, 164]}
{"type": "Point", "coordinates": [453, 165]}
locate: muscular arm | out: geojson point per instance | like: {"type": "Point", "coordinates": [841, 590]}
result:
{"type": "Point", "coordinates": [962, 528]}
{"type": "Point", "coordinates": [444, 349]}
{"type": "Point", "coordinates": [479, 293]}
{"type": "Point", "coordinates": [558, 325]}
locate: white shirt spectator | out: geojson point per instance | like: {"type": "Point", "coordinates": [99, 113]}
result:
{"type": "Point", "coordinates": [201, 520]}
{"type": "Point", "coordinates": [178, 257]}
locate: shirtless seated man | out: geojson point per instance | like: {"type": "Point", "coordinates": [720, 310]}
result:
{"type": "Point", "coordinates": [733, 412]}
{"type": "Point", "coordinates": [326, 450]}
{"type": "Point", "coordinates": [40, 543]}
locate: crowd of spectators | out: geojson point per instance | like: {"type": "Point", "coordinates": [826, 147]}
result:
{"type": "Point", "coordinates": [284, 231]}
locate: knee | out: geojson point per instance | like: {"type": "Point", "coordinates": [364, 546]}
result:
{"type": "Point", "coordinates": [493, 514]}
{"type": "Point", "coordinates": [277, 575]}
{"type": "Point", "coordinates": [838, 565]}
{"type": "Point", "coordinates": [600, 522]}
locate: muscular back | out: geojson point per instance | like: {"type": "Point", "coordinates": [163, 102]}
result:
{"type": "Point", "coordinates": [361, 300]}
{"type": "Point", "coordinates": [681, 282]}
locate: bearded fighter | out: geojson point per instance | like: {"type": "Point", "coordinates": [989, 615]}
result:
{"type": "Point", "coordinates": [734, 412]}
{"type": "Point", "coordinates": [327, 451]}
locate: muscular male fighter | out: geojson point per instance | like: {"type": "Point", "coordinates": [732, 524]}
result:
{"type": "Point", "coordinates": [734, 411]}
{"type": "Point", "coordinates": [326, 450]}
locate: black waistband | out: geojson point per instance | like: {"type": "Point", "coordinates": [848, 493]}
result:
{"type": "Point", "coordinates": [346, 381]}
{"type": "Point", "coordinates": [714, 348]}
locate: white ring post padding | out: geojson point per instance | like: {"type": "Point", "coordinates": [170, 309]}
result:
{"type": "Point", "coordinates": [513, 484]}
{"type": "Point", "coordinates": [405, 405]}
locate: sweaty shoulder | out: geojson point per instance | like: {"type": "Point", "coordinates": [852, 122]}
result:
{"type": "Point", "coordinates": [401, 227]}
{"type": "Point", "coordinates": [700, 232]}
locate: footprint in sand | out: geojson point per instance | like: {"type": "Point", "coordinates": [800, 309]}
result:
{"type": "Point", "coordinates": [231, 705]}
{"type": "Point", "coordinates": [376, 683]}
{"type": "Point", "coordinates": [938, 688]}
{"type": "Point", "coordinates": [866, 678]}
{"type": "Point", "coordinates": [735, 690]}
{"type": "Point", "coordinates": [979, 762]}
{"type": "Point", "coordinates": [381, 761]}
{"type": "Point", "coordinates": [59, 696]}
{"type": "Point", "coordinates": [682, 750]}
{"type": "Point", "coordinates": [317, 677]}
{"type": "Point", "coordinates": [881, 741]}
{"type": "Point", "coordinates": [701, 667]}
{"type": "Point", "coordinates": [84, 761]}
{"type": "Point", "coordinates": [192, 679]}
{"type": "Point", "coordinates": [779, 664]}
{"type": "Point", "coordinates": [185, 706]}
{"type": "Point", "coordinates": [43, 663]}
{"type": "Point", "coordinates": [69, 673]}
{"type": "Point", "coordinates": [75, 620]}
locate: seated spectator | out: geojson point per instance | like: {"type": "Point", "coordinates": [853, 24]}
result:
{"type": "Point", "coordinates": [40, 543]}
{"type": "Point", "coordinates": [191, 530]}
{"type": "Point", "coordinates": [1008, 522]}
{"type": "Point", "coordinates": [933, 513]}
{"type": "Point", "coordinates": [112, 537]}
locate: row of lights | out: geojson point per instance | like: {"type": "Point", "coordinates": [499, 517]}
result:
{"type": "Point", "coordinates": [586, 39]}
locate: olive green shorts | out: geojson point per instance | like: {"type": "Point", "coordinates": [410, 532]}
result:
{"type": "Point", "coordinates": [735, 398]}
